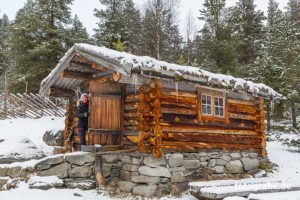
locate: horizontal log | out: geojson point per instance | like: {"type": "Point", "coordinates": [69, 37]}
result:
{"type": "Point", "coordinates": [172, 127]}
{"type": "Point", "coordinates": [208, 145]}
{"type": "Point", "coordinates": [240, 108]}
{"type": "Point", "coordinates": [214, 138]}
{"type": "Point", "coordinates": [131, 133]}
{"type": "Point", "coordinates": [242, 102]}
{"type": "Point", "coordinates": [243, 97]}
{"type": "Point", "coordinates": [178, 110]}
{"type": "Point", "coordinates": [170, 92]}
{"type": "Point", "coordinates": [243, 116]}
{"type": "Point", "coordinates": [180, 101]}
{"type": "Point", "coordinates": [196, 148]}
{"type": "Point", "coordinates": [170, 117]}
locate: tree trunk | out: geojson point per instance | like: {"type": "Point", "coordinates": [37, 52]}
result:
{"type": "Point", "coordinates": [293, 109]}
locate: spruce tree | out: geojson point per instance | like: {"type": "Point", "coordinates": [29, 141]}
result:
{"type": "Point", "coordinates": [76, 33]}
{"type": "Point", "coordinates": [4, 44]}
{"type": "Point", "coordinates": [38, 41]}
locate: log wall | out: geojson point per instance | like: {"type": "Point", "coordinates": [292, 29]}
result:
{"type": "Point", "coordinates": [150, 110]}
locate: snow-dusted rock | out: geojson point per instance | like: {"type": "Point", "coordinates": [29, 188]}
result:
{"type": "Point", "coordinates": [80, 158]}
{"type": "Point", "coordinates": [44, 183]}
{"type": "Point", "coordinates": [54, 137]}
{"type": "Point", "coordinates": [106, 169]}
{"type": "Point", "coordinates": [61, 170]}
{"type": "Point", "coordinates": [130, 167]}
{"type": "Point", "coordinates": [83, 184]}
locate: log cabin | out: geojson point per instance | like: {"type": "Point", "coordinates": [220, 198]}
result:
{"type": "Point", "coordinates": [157, 107]}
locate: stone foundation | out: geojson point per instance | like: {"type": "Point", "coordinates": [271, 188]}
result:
{"type": "Point", "coordinates": [141, 174]}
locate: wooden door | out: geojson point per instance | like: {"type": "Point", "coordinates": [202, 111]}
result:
{"type": "Point", "coordinates": [105, 126]}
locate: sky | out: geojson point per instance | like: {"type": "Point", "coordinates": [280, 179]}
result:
{"type": "Point", "coordinates": [85, 10]}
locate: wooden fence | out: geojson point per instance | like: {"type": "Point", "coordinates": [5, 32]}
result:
{"type": "Point", "coordinates": [28, 106]}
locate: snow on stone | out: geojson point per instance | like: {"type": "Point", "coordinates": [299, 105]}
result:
{"type": "Point", "coordinates": [49, 180]}
{"type": "Point", "coordinates": [22, 139]}
{"type": "Point", "coordinates": [146, 63]}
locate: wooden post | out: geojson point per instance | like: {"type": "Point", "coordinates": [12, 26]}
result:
{"type": "Point", "coordinates": [262, 127]}
{"type": "Point", "coordinates": [99, 171]}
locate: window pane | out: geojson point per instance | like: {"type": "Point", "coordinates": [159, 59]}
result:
{"type": "Point", "coordinates": [209, 100]}
{"type": "Point", "coordinates": [221, 101]}
{"type": "Point", "coordinates": [209, 110]}
{"type": "Point", "coordinates": [204, 111]}
{"type": "Point", "coordinates": [217, 112]}
{"type": "Point", "coordinates": [221, 112]}
{"type": "Point", "coordinates": [203, 99]}
{"type": "Point", "coordinates": [216, 101]}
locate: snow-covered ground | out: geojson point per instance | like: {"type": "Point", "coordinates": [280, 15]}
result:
{"type": "Point", "coordinates": [14, 131]}
{"type": "Point", "coordinates": [23, 138]}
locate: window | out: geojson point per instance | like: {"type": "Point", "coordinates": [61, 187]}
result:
{"type": "Point", "coordinates": [218, 106]}
{"type": "Point", "coordinates": [206, 104]}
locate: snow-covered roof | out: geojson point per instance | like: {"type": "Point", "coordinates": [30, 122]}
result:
{"type": "Point", "coordinates": [150, 67]}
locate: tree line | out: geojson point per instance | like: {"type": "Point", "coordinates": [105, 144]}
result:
{"type": "Point", "coordinates": [240, 40]}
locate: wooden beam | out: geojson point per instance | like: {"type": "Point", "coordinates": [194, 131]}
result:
{"type": "Point", "coordinates": [57, 92]}
{"type": "Point", "coordinates": [76, 75]}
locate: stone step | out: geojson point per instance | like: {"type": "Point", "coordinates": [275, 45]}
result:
{"type": "Point", "coordinates": [230, 182]}
{"type": "Point", "coordinates": [243, 189]}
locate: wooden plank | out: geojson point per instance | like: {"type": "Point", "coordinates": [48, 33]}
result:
{"type": "Point", "coordinates": [76, 75]}
{"type": "Point", "coordinates": [100, 180]}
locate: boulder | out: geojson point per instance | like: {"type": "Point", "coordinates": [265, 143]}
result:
{"type": "Point", "coordinates": [136, 161]}
{"type": "Point", "coordinates": [86, 184]}
{"type": "Point", "coordinates": [130, 167]}
{"type": "Point", "coordinates": [157, 171]}
{"type": "Point", "coordinates": [177, 177]}
{"type": "Point", "coordinates": [175, 160]}
{"type": "Point", "coordinates": [218, 169]}
{"type": "Point", "coordinates": [191, 164]}
{"type": "Point", "coordinates": [145, 190]}
{"type": "Point", "coordinates": [250, 164]}
{"type": "Point", "coordinates": [221, 162]}
{"type": "Point", "coordinates": [212, 163]}
{"type": "Point", "coordinates": [61, 170]}
{"type": "Point", "coordinates": [235, 155]}
{"type": "Point", "coordinates": [145, 179]}
{"type": "Point", "coordinates": [110, 158]}
{"type": "Point", "coordinates": [126, 175]}
{"type": "Point", "coordinates": [106, 169]}
{"type": "Point", "coordinates": [54, 137]}
{"type": "Point", "coordinates": [126, 186]}
{"type": "Point", "coordinates": [45, 183]}
{"type": "Point", "coordinates": [81, 172]}
{"type": "Point", "coordinates": [234, 167]}
{"type": "Point", "coordinates": [152, 162]}
{"type": "Point", "coordinates": [126, 159]}
{"type": "Point", "coordinates": [46, 163]}
{"type": "Point", "coordinates": [80, 158]}
{"type": "Point", "coordinates": [177, 169]}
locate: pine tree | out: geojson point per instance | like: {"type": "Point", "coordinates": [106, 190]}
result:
{"type": "Point", "coordinates": [247, 23]}
{"type": "Point", "coordinates": [217, 51]}
{"type": "Point", "coordinates": [180, 60]}
{"type": "Point", "coordinates": [119, 45]}
{"type": "Point", "coordinates": [4, 46]}
{"type": "Point", "coordinates": [38, 41]}
{"type": "Point", "coordinates": [76, 33]}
